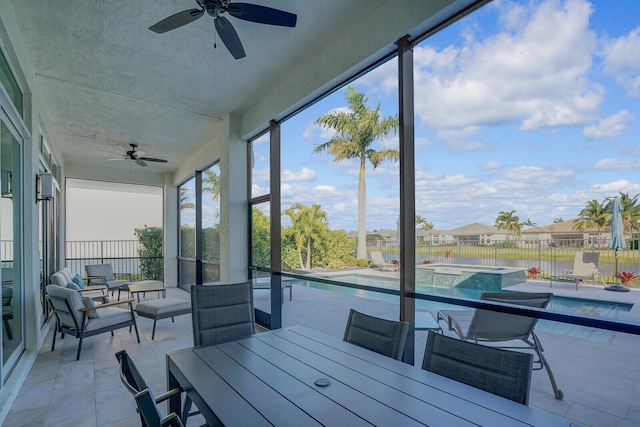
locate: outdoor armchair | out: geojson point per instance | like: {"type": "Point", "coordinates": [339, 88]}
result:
{"type": "Point", "coordinates": [80, 319]}
{"type": "Point", "coordinates": [501, 372]}
{"type": "Point", "coordinates": [98, 274]}
{"type": "Point", "coordinates": [496, 327]}
{"type": "Point", "coordinates": [383, 336]}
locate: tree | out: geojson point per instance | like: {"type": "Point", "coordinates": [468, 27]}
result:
{"type": "Point", "coordinates": [423, 223]}
{"type": "Point", "coordinates": [508, 221]}
{"type": "Point", "coordinates": [150, 252]}
{"type": "Point", "coordinates": [260, 239]}
{"type": "Point", "coordinates": [308, 225]}
{"type": "Point", "coordinates": [594, 214]}
{"type": "Point", "coordinates": [528, 223]}
{"type": "Point", "coordinates": [558, 219]}
{"type": "Point", "coordinates": [211, 183]}
{"type": "Point", "coordinates": [355, 131]}
{"type": "Point", "coordinates": [184, 199]}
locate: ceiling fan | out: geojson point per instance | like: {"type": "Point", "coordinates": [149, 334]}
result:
{"type": "Point", "coordinates": [138, 156]}
{"type": "Point", "coordinates": [228, 35]}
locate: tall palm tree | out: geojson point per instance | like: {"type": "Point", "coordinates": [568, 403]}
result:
{"type": "Point", "coordinates": [594, 214]}
{"type": "Point", "coordinates": [508, 221]}
{"type": "Point", "coordinates": [355, 131]}
{"type": "Point", "coordinates": [558, 219]}
{"type": "Point", "coordinates": [308, 224]}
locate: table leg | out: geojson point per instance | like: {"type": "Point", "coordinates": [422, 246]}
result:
{"type": "Point", "coordinates": [175, 401]}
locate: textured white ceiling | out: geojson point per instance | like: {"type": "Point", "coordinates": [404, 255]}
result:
{"type": "Point", "coordinates": [108, 81]}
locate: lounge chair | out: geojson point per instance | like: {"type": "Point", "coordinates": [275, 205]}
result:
{"type": "Point", "coordinates": [102, 274]}
{"type": "Point", "coordinates": [383, 336]}
{"type": "Point", "coordinates": [585, 267]}
{"type": "Point", "coordinates": [501, 372]}
{"type": "Point", "coordinates": [377, 260]}
{"type": "Point", "coordinates": [494, 326]}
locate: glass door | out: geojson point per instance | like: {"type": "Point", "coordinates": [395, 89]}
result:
{"type": "Point", "coordinates": [11, 246]}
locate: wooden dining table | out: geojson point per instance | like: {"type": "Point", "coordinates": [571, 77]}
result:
{"type": "Point", "coordinates": [301, 377]}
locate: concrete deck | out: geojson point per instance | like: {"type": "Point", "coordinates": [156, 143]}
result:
{"type": "Point", "coordinates": [601, 381]}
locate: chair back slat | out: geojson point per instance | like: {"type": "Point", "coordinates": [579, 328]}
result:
{"type": "Point", "coordinates": [383, 336]}
{"type": "Point", "coordinates": [129, 374]}
{"type": "Point", "coordinates": [221, 313]}
{"type": "Point", "coordinates": [501, 372]}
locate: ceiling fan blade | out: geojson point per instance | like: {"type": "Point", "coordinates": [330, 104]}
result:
{"type": "Point", "coordinates": [262, 14]}
{"type": "Point", "coordinates": [229, 37]}
{"type": "Point", "coordinates": [140, 162]}
{"type": "Point", "coordinates": [151, 159]}
{"type": "Point", "coordinates": [177, 20]}
{"type": "Point", "coordinates": [121, 158]}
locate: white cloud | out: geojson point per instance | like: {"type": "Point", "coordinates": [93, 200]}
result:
{"type": "Point", "coordinates": [492, 166]}
{"type": "Point", "coordinates": [534, 73]}
{"type": "Point", "coordinates": [304, 174]}
{"type": "Point", "coordinates": [609, 127]}
{"type": "Point", "coordinates": [616, 164]}
{"type": "Point", "coordinates": [622, 61]}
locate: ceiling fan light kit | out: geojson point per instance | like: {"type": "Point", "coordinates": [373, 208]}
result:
{"type": "Point", "coordinates": [214, 8]}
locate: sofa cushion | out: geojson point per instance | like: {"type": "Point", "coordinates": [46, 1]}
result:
{"type": "Point", "coordinates": [109, 316]}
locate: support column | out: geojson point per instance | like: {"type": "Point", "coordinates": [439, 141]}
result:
{"type": "Point", "coordinates": [234, 256]}
{"type": "Point", "coordinates": [407, 194]}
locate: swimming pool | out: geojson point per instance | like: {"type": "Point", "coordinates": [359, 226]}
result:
{"type": "Point", "coordinates": [586, 307]}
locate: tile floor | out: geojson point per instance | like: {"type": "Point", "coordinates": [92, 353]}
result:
{"type": "Point", "coordinates": [601, 382]}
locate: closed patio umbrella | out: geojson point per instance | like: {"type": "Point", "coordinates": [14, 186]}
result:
{"type": "Point", "coordinates": [617, 240]}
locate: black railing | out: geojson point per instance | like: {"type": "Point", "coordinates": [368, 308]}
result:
{"type": "Point", "coordinates": [552, 257]}
{"type": "Point", "coordinates": [121, 254]}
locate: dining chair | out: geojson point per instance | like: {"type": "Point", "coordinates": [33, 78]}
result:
{"type": "Point", "coordinates": [501, 372]}
{"type": "Point", "coordinates": [383, 336]}
{"type": "Point", "coordinates": [134, 383]}
{"type": "Point", "coordinates": [221, 313]}
{"type": "Point", "coordinates": [505, 329]}
{"type": "Point", "coordinates": [150, 414]}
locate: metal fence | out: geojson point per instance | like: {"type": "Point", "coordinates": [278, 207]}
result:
{"type": "Point", "coordinates": [551, 257]}
{"type": "Point", "coordinates": [121, 254]}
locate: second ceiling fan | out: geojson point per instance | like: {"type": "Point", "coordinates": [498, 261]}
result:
{"type": "Point", "coordinates": [228, 35]}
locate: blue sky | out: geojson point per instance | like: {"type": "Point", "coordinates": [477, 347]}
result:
{"type": "Point", "coordinates": [532, 106]}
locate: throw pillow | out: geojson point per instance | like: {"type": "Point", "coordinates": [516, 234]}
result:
{"type": "Point", "coordinates": [88, 302]}
{"type": "Point", "coordinates": [73, 286]}
{"type": "Point", "coordinates": [78, 281]}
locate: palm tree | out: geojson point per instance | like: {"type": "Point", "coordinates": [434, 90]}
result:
{"type": "Point", "coordinates": [508, 221]}
{"type": "Point", "coordinates": [423, 223]}
{"type": "Point", "coordinates": [355, 131]}
{"type": "Point", "coordinates": [308, 225]}
{"type": "Point", "coordinates": [558, 219]}
{"type": "Point", "coordinates": [528, 223]}
{"type": "Point", "coordinates": [184, 199]}
{"type": "Point", "coordinates": [594, 214]}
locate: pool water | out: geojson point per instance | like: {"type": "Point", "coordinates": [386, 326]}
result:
{"type": "Point", "coordinates": [580, 306]}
